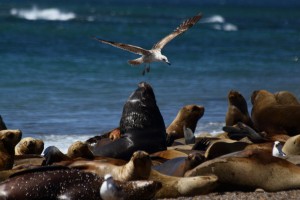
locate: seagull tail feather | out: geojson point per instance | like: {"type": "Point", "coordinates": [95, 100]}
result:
{"type": "Point", "coordinates": [135, 62]}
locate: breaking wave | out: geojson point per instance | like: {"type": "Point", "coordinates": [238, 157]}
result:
{"type": "Point", "coordinates": [52, 14]}
{"type": "Point", "coordinates": [219, 23]}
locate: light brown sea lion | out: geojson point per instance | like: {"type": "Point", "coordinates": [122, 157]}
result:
{"type": "Point", "coordinates": [187, 116]}
{"type": "Point", "coordinates": [138, 168]}
{"type": "Point", "coordinates": [274, 118]}
{"type": "Point", "coordinates": [249, 170]}
{"type": "Point", "coordinates": [174, 187]}
{"type": "Point", "coordinates": [292, 146]}
{"type": "Point", "coordinates": [8, 141]}
{"type": "Point", "coordinates": [237, 110]}
{"type": "Point", "coordinates": [286, 98]}
{"type": "Point", "coordinates": [79, 150]}
{"type": "Point", "coordinates": [29, 145]}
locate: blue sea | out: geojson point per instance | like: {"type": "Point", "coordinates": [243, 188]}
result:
{"type": "Point", "coordinates": [59, 85]}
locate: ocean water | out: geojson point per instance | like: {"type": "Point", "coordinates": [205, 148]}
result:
{"type": "Point", "coordinates": [60, 85]}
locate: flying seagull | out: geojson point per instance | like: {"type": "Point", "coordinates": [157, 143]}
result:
{"type": "Point", "coordinates": [154, 54]}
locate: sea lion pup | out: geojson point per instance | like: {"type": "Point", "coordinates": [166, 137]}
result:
{"type": "Point", "coordinates": [141, 126]}
{"type": "Point", "coordinates": [29, 145]}
{"type": "Point", "coordinates": [58, 182]}
{"type": "Point", "coordinates": [8, 140]}
{"type": "Point", "coordinates": [237, 110]}
{"type": "Point", "coordinates": [174, 187]}
{"type": "Point", "coordinates": [286, 98]}
{"type": "Point", "coordinates": [292, 146]}
{"type": "Point", "coordinates": [178, 166]}
{"type": "Point", "coordinates": [274, 118]}
{"type": "Point", "coordinates": [80, 150]}
{"type": "Point", "coordinates": [76, 150]}
{"type": "Point", "coordinates": [249, 170]}
{"type": "Point", "coordinates": [222, 147]}
{"type": "Point", "coordinates": [138, 168]}
{"type": "Point", "coordinates": [187, 116]}
{"type": "Point", "coordinates": [2, 124]}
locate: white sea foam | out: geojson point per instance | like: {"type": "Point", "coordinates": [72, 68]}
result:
{"type": "Point", "coordinates": [35, 13]}
{"type": "Point", "coordinates": [225, 27]}
{"type": "Point", "coordinates": [214, 19]}
{"type": "Point", "coordinates": [219, 23]}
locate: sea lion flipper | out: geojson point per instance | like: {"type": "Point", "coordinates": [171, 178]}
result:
{"type": "Point", "coordinates": [188, 135]}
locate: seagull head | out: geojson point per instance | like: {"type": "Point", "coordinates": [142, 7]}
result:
{"type": "Point", "coordinates": [107, 177]}
{"type": "Point", "coordinates": [164, 59]}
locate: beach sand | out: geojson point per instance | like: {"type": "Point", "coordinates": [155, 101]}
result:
{"type": "Point", "coordinates": [258, 195]}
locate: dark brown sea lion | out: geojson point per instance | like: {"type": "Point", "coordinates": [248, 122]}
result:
{"type": "Point", "coordinates": [2, 124]}
{"type": "Point", "coordinates": [8, 140]}
{"type": "Point", "coordinates": [286, 98]}
{"type": "Point", "coordinates": [249, 170]}
{"type": "Point", "coordinates": [29, 145]}
{"type": "Point", "coordinates": [178, 166]}
{"type": "Point", "coordinates": [237, 110]}
{"type": "Point", "coordinates": [64, 183]}
{"type": "Point", "coordinates": [187, 116]}
{"type": "Point", "coordinates": [141, 126]}
{"type": "Point", "coordinates": [274, 118]}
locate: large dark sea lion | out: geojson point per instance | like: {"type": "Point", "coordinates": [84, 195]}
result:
{"type": "Point", "coordinates": [274, 118]}
{"type": "Point", "coordinates": [63, 183]}
{"type": "Point", "coordinates": [187, 116]}
{"type": "Point", "coordinates": [237, 110]}
{"type": "Point", "coordinates": [249, 170]}
{"type": "Point", "coordinates": [142, 127]}
{"type": "Point", "coordinates": [8, 140]}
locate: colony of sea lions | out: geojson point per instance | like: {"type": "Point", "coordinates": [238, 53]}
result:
{"type": "Point", "coordinates": [141, 165]}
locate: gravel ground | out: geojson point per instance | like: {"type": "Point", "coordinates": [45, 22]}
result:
{"type": "Point", "coordinates": [284, 195]}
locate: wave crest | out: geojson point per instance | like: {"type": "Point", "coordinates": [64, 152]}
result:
{"type": "Point", "coordinates": [219, 23]}
{"type": "Point", "coordinates": [52, 14]}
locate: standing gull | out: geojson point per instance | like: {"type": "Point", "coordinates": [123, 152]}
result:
{"type": "Point", "coordinates": [154, 54]}
{"type": "Point", "coordinates": [277, 150]}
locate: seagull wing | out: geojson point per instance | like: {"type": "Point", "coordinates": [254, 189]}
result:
{"type": "Point", "coordinates": [127, 47]}
{"type": "Point", "coordinates": [179, 30]}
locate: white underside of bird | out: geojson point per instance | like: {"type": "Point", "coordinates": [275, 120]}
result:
{"type": "Point", "coordinates": [277, 150]}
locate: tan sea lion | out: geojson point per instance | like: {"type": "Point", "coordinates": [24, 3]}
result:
{"type": "Point", "coordinates": [79, 150]}
{"type": "Point", "coordinates": [286, 98]}
{"type": "Point", "coordinates": [187, 116]}
{"type": "Point", "coordinates": [8, 141]}
{"type": "Point", "coordinates": [29, 145]}
{"type": "Point", "coordinates": [249, 170]}
{"type": "Point", "coordinates": [174, 187]}
{"type": "Point", "coordinates": [138, 168]}
{"type": "Point", "coordinates": [292, 146]}
{"type": "Point", "coordinates": [274, 118]}
{"type": "Point", "coordinates": [237, 110]}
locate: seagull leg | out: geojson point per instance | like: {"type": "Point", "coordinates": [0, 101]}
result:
{"type": "Point", "coordinates": [148, 68]}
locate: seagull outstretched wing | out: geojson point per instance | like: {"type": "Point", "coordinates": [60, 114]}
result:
{"type": "Point", "coordinates": [127, 47]}
{"type": "Point", "coordinates": [179, 30]}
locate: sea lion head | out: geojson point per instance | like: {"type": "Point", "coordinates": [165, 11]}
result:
{"type": "Point", "coordinates": [29, 145]}
{"type": "Point", "coordinates": [10, 138]}
{"type": "Point", "coordinates": [142, 163]}
{"type": "Point", "coordinates": [80, 149]}
{"type": "Point", "coordinates": [236, 99]}
{"type": "Point", "coordinates": [262, 96]}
